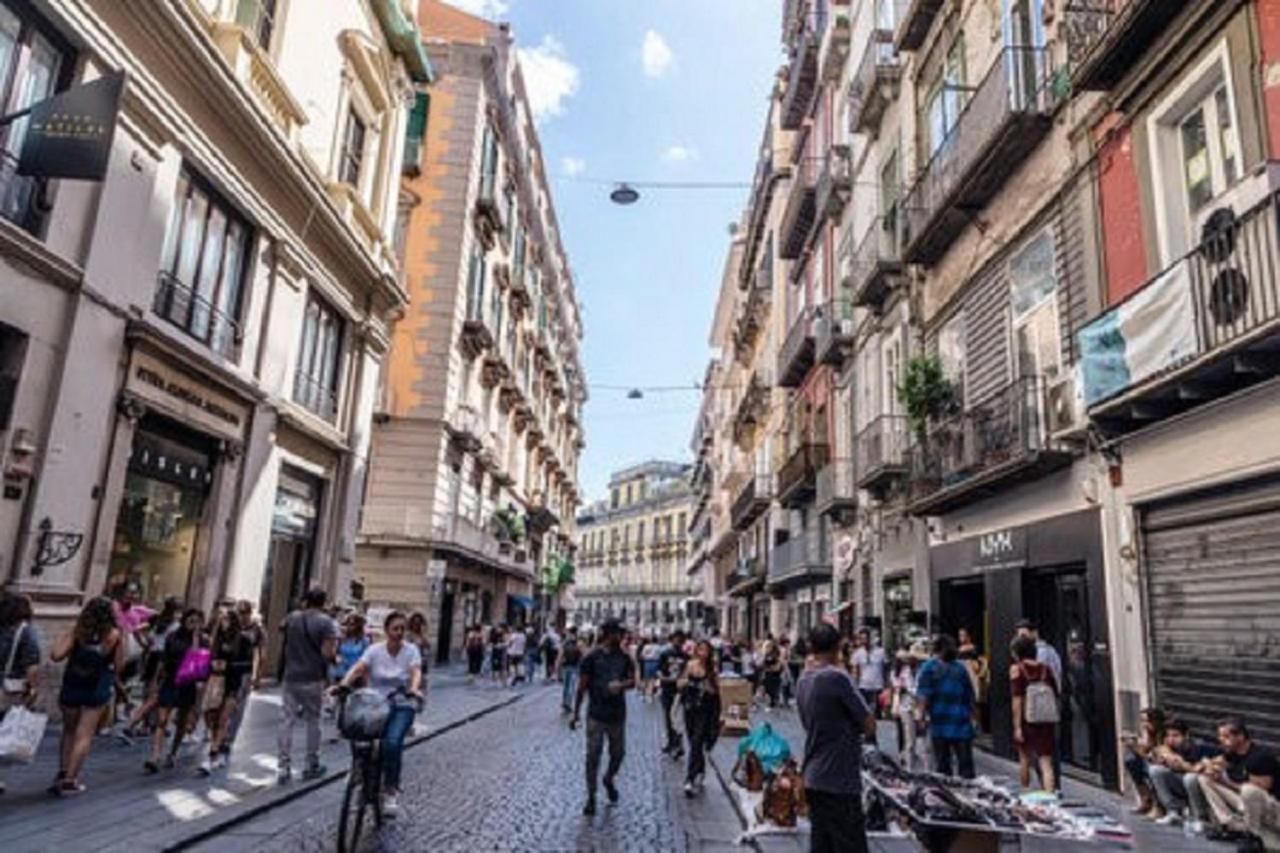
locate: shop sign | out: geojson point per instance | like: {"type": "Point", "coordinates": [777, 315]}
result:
{"type": "Point", "coordinates": [1000, 549]}
{"type": "Point", "coordinates": [185, 398]}
{"type": "Point", "coordinates": [69, 135]}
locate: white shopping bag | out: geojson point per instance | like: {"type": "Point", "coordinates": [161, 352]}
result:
{"type": "Point", "coordinates": [21, 731]}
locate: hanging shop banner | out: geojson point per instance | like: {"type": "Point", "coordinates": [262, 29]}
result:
{"type": "Point", "coordinates": [70, 134]}
{"type": "Point", "coordinates": [1150, 332]}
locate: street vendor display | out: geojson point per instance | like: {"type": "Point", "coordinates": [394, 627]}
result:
{"type": "Point", "coordinates": [735, 705]}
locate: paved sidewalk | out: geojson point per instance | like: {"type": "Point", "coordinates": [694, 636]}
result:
{"type": "Point", "coordinates": [1146, 835]}
{"type": "Point", "coordinates": [125, 809]}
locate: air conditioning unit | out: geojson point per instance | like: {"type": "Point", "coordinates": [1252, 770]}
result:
{"type": "Point", "coordinates": [1064, 407]}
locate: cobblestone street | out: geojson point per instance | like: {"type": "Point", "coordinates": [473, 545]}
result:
{"type": "Point", "coordinates": [512, 781]}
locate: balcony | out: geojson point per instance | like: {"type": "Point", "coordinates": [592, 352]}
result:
{"type": "Point", "coordinates": [881, 453]}
{"type": "Point", "coordinates": [1004, 120]}
{"type": "Point", "coordinates": [1108, 37]}
{"type": "Point", "coordinates": [463, 427]}
{"type": "Point", "coordinates": [802, 76]}
{"type": "Point", "coordinates": [238, 42]}
{"type": "Point", "coordinates": [875, 267]}
{"type": "Point", "coordinates": [796, 355]}
{"type": "Point", "coordinates": [798, 475]}
{"type": "Point", "coordinates": [915, 22]}
{"type": "Point", "coordinates": [834, 49]}
{"type": "Point", "coordinates": [747, 576]}
{"type": "Point", "coordinates": [837, 492]}
{"type": "Point", "coordinates": [476, 335]}
{"type": "Point", "coordinates": [1000, 442]}
{"type": "Point", "coordinates": [875, 85]}
{"type": "Point", "coordinates": [833, 332]}
{"type": "Point", "coordinates": [753, 408]}
{"type": "Point", "coordinates": [803, 559]}
{"type": "Point", "coordinates": [800, 214]}
{"type": "Point", "coordinates": [488, 212]}
{"type": "Point", "coordinates": [460, 536]}
{"type": "Point", "coordinates": [751, 497]}
{"type": "Point", "coordinates": [178, 303]}
{"type": "Point", "coordinates": [1206, 327]}
{"type": "Point", "coordinates": [835, 182]}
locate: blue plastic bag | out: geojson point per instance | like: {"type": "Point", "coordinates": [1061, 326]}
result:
{"type": "Point", "coordinates": [770, 747]}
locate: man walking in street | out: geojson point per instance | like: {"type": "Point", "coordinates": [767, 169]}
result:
{"type": "Point", "coordinates": [569, 659]}
{"type": "Point", "coordinates": [671, 661]}
{"type": "Point", "coordinates": [606, 674]}
{"type": "Point", "coordinates": [310, 645]}
{"type": "Point", "coordinates": [868, 669]}
{"type": "Point", "coordinates": [946, 693]}
{"type": "Point", "coordinates": [836, 720]}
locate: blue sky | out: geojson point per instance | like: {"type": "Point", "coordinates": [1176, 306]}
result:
{"type": "Point", "coordinates": [662, 90]}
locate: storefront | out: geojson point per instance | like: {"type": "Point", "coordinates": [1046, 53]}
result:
{"type": "Point", "coordinates": [170, 496]}
{"type": "Point", "coordinates": [291, 558]}
{"type": "Point", "coordinates": [1050, 571]}
{"type": "Point", "coordinates": [1211, 571]}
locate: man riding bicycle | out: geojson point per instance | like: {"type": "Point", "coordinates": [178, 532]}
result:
{"type": "Point", "coordinates": [394, 669]}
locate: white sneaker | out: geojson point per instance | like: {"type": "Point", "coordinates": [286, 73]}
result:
{"type": "Point", "coordinates": [390, 804]}
{"type": "Point", "coordinates": [1195, 827]}
{"type": "Point", "coordinates": [1171, 819]}
{"type": "Point", "coordinates": [206, 767]}
{"type": "Point", "coordinates": [689, 789]}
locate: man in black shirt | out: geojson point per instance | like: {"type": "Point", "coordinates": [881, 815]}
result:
{"type": "Point", "coordinates": [836, 719]}
{"type": "Point", "coordinates": [1238, 790]}
{"type": "Point", "coordinates": [671, 661]}
{"type": "Point", "coordinates": [606, 674]}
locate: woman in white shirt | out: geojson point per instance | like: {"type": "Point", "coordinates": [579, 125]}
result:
{"type": "Point", "coordinates": [393, 668]}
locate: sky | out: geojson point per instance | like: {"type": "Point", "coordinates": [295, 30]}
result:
{"type": "Point", "coordinates": [645, 90]}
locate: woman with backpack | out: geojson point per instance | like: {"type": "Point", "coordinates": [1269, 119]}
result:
{"type": "Point", "coordinates": [94, 653]}
{"type": "Point", "coordinates": [176, 694]}
{"type": "Point", "coordinates": [1035, 712]}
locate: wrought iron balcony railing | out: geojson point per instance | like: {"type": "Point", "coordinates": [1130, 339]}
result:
{"type": "Point", "coordinates": [1004, 120]}
{"type": "Point", "coordinates": [1105, 38]}
{"type": "Point", "coordinates": [876, 266]}
{"type": "Point", "coordinates": [800, 213]}
{"type": "Point", "coordinates": [881, 452]}
{"type": "Point", "coordinates": [833, 332]}
{"type": "Point", "coordinates": [1000, 440]}
{"type": "Point", "coordinates": [802, 558]}
{"type": "Point", "coordinates": [915, 22]}
{"type": "Point", "coordinates": [177, 302]}
{"type": "Point", "coordinates": [1217, 312]}
{"type": "Point", "coordinates": [875, 84]}
{"type": "Point", "coordinates": [317, 397]}
{"type": "Point", "coordinates": [747, 573]}
{"type": "Point", "coordinates": [802, 75]}
{"type": "Point", "coordinates": [796, 355]}
{"type": "Point", "coordinates": [750, 499]}
{"type": "Point", "coordinates": [836, 488]}
{"type": "Point", "coordinates": [796, 477]}
{"type": "Point", "coordinates": [835, 182]}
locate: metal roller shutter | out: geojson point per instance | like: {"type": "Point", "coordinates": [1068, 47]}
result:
{"type": "Point", "coordinates": [1213, 606]}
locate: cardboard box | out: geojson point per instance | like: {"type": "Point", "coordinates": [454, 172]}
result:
{"type": "Point", "coordinates": [735, 705]}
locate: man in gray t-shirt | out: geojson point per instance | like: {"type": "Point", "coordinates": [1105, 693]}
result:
{"type": "Point", "coordinates": [310, 645]}
{"type": "Point", "coordinates": [835, 719]}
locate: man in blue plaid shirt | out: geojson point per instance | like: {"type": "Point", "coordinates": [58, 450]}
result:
{"type": "Point", "coordinates": [946, 691]}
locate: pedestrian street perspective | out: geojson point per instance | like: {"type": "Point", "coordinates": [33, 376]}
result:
{"type": "Point", "coordinates": [592, 425]}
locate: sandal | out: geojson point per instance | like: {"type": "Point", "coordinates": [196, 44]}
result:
{"type": "Point", "coordinates": [70, 787]}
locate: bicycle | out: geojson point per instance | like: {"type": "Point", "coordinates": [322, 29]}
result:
{"type": "Point", "coordinates": [364, 780]}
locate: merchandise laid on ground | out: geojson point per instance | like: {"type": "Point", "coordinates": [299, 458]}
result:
{"type": "Point", "coordinates": [929, 802]}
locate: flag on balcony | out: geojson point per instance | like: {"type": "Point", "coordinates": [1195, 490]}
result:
{"type": "Point", "coordinates": [1150, 332]}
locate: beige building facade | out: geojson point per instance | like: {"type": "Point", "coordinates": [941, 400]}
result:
{"type": "Point", "coordinates": [469, 513]}
{"type": "Point", "coordinates": [634, 550]}
{"type": "Point", "coordinates": [191, 347]}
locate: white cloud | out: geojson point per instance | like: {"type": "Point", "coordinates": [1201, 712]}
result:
{"type": "Point", "coordinates": [655, 55]}
{"type": "Point", "coordinates": [573, 166]}
{"type": "Point", "coordinates": [491, 9]}
{"type": "Point", "coordinates": [549, 77]}
{"type": "Point", "coordinates": [680, 154]}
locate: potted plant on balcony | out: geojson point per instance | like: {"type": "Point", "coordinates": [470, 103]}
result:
{"type": "Point", "coordinates": [927, 395]}
{"type": "Point", "coordinates": [508, 527]}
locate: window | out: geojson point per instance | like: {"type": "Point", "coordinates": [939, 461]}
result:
{"type": "Point", "coordinates": [945, 99]}
{"type": "Point", "coordinates": [315, 383]}
{"type": "Point", "coordinates": [640, 535]}
{"type": "Point", "coordinates": [891, 360]}
{"type": "Point", "coordinates": [203, 266]}
{"type": "Point", "coordinates": [952, 349]}
{"type": "Point", "coordinates": [488, 165]}
{"type": "Point", "coordinates": [34, 64]}
{"type": "Point", "coordinates": [889, 189]}
{"type": "Point", "coordinates": [1210, 149]}
{"type": "Point", "coordinates": [353, 144]}
{"type": "Point", "coordinates": [1033, 305]}
{"type": "Point", "coordinates": [475, 283]}
{"type": "Point", "coordinates": [259, 18]}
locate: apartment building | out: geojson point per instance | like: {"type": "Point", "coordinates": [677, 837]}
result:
{"type": "Point", "coordinates": [190, 347]}
{"type": "Point", "coordinates": [472, 494]}
{"type": "Point", "coordinates": [633, 550]}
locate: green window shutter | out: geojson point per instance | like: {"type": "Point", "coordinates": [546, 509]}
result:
{"type": "Point", "coordinates": [415, 134]}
